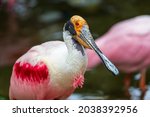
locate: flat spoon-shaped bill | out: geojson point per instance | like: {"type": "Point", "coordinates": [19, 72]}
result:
{"type": "Point", "coordinates": [87, 37]}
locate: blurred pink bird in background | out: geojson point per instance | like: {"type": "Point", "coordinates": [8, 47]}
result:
{"type": "Point", "coordinates": [127, 45]}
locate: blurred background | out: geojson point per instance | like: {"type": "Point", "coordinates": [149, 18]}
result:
{"type": "Point", "coordinates": [25, 23]}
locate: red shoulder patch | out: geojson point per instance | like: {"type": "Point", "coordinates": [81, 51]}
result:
{"type": "Point", "coordinates": [28, 72]}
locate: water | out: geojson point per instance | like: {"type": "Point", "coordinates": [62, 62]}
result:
{"type": "Point", "coordinates": [44, 21]}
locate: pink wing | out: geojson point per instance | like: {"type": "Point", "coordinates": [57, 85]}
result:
{"type": "Point", "coordinates": [31, 77]}
{"type": "Point", "coordinates": [29, 81]}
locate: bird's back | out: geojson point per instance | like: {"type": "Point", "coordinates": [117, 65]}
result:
{"type": "Point", "coordinates": [139, 25]}
{"type": "Point", "coordinates": [126, 44]}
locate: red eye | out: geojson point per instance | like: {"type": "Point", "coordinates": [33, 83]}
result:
{"type": "Point", "coordinates": [77, 24]}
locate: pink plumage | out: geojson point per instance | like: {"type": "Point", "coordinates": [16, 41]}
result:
{"type": "Point", "coordinates": [127, 45]}
{"type": "Point", "coordinates": [30, 73]}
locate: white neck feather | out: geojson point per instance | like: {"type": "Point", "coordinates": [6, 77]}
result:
{"type": "Point", "coordinates": [76, 53]}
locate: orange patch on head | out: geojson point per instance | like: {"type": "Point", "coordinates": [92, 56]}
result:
{"type": "Point", "coordinates": [78, 23]}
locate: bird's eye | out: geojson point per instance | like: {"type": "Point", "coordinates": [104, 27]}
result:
{"type": "Point", "coordinates": [77, 24]}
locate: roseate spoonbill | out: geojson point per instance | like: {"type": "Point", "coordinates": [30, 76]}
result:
{"type": "Point", "coordinates": [127, 45]}
{"type": "Point", "coordinates": [53, 70]}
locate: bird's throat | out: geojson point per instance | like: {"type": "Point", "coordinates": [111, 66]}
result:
{"type": "Point", "coordinates": [78, 47]}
